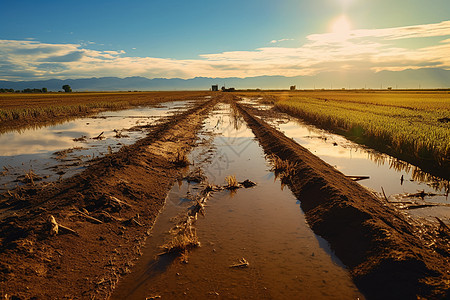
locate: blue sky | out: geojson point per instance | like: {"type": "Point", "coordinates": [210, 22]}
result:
{"type": "Point", "coordinates": [171, 38]}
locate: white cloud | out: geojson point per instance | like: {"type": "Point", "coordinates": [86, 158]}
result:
{"type": "Point", "coordinates": [362, 49]}
{"type": "Point", "coordinates": [279, 41]}
{"type": "Point", "coordinates": [396, 33]}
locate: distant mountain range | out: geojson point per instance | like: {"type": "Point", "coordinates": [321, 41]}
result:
{"type": "Point", "coordinates": [407, 79]}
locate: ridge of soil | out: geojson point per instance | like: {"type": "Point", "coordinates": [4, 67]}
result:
{"type": "Point", "coordinates": [388, 256]}
{"type": "Point", "coordinates": [111, 207]}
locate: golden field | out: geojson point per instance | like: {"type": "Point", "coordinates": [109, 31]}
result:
{"type": "Point", "coordinates": [409, 123]}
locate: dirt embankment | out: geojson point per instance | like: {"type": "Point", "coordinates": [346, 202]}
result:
{"type": "Point", "coordinates": [103, 214]}
{"type": "Point", "coordinates": [388, 256]}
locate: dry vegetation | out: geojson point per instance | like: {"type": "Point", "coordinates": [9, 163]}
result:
{"type": "Point", "coordinates": [283, 169]}
{"type": "Point", "coordinates": [232, 182]}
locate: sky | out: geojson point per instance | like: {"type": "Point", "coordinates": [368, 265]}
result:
{"type": "Point", "coordinates": [199, 38]}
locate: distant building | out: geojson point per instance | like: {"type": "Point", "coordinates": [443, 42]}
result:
{"type": "Point", "coordinates": [215, 88]}
{"type": "Point", "coordinates": [292, 88]}
{"type": "Point", "coordinates": [224, 89]}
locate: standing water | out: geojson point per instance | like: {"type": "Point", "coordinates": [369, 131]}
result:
{"type": "Point", "coordinates": [62, 150]}
{"type": "Point", "coordinates": [263, 225]}
{"type": "Point", "coordinates": [401, 181]}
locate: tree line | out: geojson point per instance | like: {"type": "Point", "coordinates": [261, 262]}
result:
{"type": "Point", "coordinates": [43, 90]}
{"type": "Point", "coordinates": [65, 87]}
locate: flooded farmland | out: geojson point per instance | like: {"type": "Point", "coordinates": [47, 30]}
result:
{"type": "Point", "coordinates": [59, 151]}
{"type": "Point", "coordinates": [263, 224]}
{"type": "Point", "coordinates": [421, 194]}
{"type": "Point", "coordinates": [248, 229]}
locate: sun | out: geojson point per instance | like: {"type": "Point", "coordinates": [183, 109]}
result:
{"type": "Point", "coordinates": [341, 26]}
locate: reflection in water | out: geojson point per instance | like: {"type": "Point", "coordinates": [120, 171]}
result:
{"type": "Point", "coordinates": [353, 159]}
{"type": "Point", "coordinates": [38, 147]}
{"type": "Point", "coordinates": [395, 176]}
{"type": "Point", "coordinates": [381, 159]}
{"type": "Point", "coordinates": [262, 224]}
{"type": "Point", "coordinates": [417, 174]}
{"type": "Point", "coordinates": [238, 120]}
{"type": "Point", "coordinates": [156, 267]}
{"type": "Point", "coordinates": [34, 126]}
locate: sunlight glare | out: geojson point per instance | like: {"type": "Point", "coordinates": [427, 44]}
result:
{"type": "Point", "coordinates": [341, 27]}
{"type": "Point", "coordinates": [345, 3]}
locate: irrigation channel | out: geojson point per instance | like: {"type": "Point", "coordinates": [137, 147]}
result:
{"type": "Point", "coordinates": [261, 225]}
{"type": "Point", "coordinates": [419, 193]}
{"type": "Point", "coordinates": [60, 151]}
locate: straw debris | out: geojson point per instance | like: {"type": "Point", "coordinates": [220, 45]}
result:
{"type": "Point", "coordinates": [180, 243]}
{"type": "Point", "coordinates": [243, 263]}
{"type": "Point", "coordinates": [232, 182]}
{"type": "Point", "coordinates": [283, 169]}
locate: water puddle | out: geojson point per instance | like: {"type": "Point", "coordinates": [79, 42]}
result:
{"type": "Point", "coordinates": [262, 225]}
{"type": "Point", "coordinates": [60, 151]}
{"type": "Point", "coordinates": [402, 182]}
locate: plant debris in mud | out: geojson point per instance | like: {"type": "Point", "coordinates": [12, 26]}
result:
{"type": "Point", "coordinates": [99, 137]}
{"type": "Point", "coordinates": [61, 155]}
{"type": "Point", "coordinates": [247, 183]}
{"type": "Point", "coordinates": [182, 242]}
{"type": "Point", "coordinates": [232, 182]}
{"type": "Point", "coordinates": [413, 200]}
{"type": "Point", "coordinates": [282, 169]}
{"type": "Point", "coordinates": [29, 177]}
{"type": "Point", "coordinates": [80, 139]}
{"type": "Point", "coordinates": [119, 134]}
{"type": "Point", "coordinates": [243, 263]}
{"type": "Point", "coordinates": [181, 159]}
{"type": "Point", "coordinates": [183, 234]}
{"type": "Point", "coordinates": [196, 176]}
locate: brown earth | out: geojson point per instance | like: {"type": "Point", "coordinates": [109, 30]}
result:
{"type": "Point", "coordinates": [111, 208]}
{"type": "Point", "coordinates": [113, 204]}
{"type": "Point", "coordinates": [388, 255]}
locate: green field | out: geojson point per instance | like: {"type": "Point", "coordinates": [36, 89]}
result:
{"type": "Point", "coordinates": [410, 125]}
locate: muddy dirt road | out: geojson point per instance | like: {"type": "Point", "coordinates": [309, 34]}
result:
{"type": "Point", "coordinates": [79, 238]}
